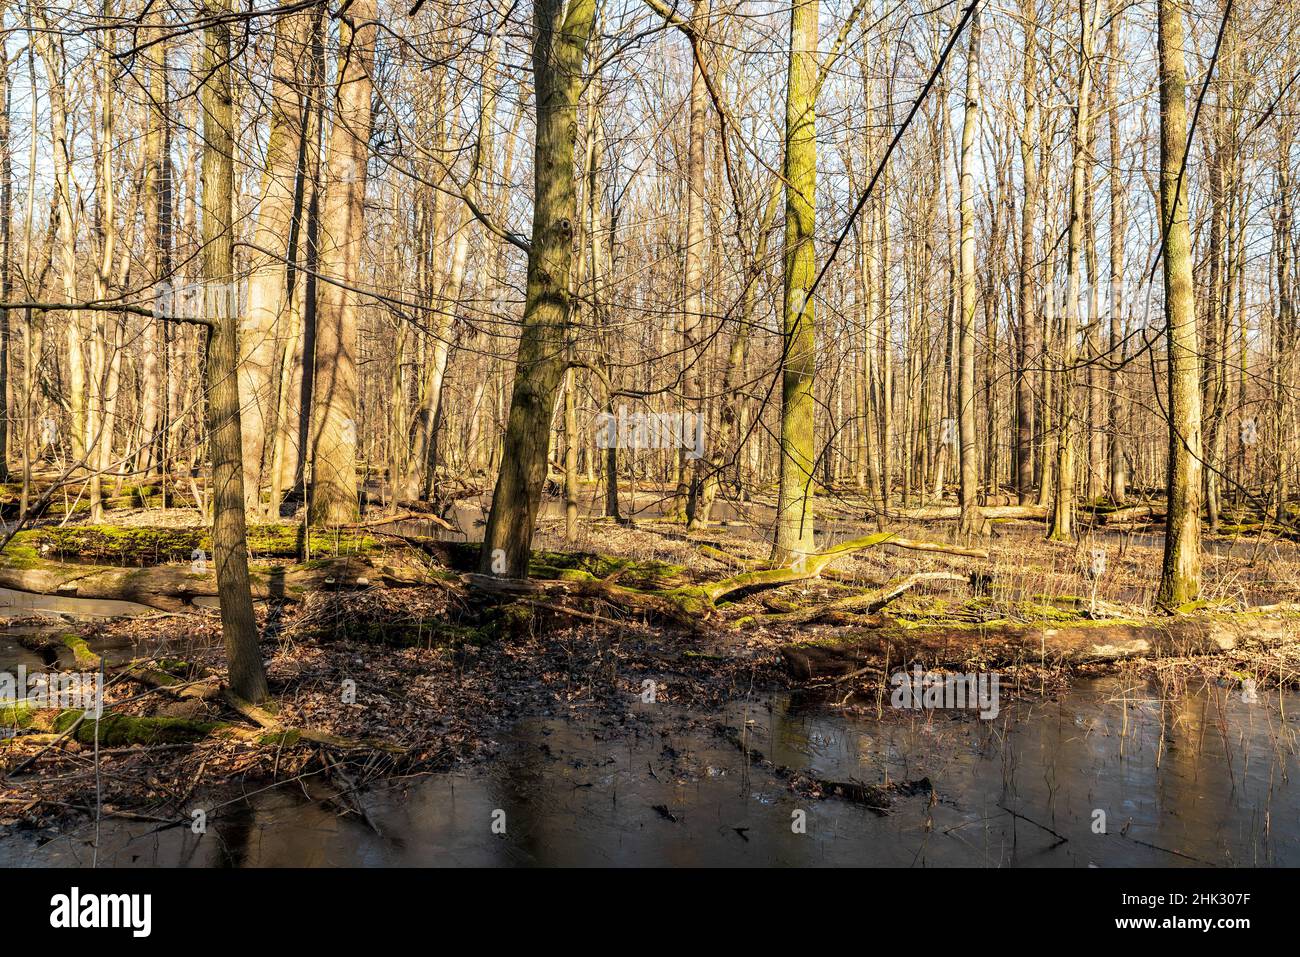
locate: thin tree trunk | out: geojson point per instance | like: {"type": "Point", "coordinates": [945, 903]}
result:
{"type": "Point", "coordinates": [794, 513]}
{"type": "Point", "coordinates": [1180, 574]}
{"type": "Point", "coordinates": [230, 551]}
{"type": "Point", "coordinates": [1030, 362]}
{"type": "Point", "coordinates": [1116, 453]}
{"type": "Point", "coordinates": [1063, 501]}
{"type": "Point", "coordinates": [969, 464]}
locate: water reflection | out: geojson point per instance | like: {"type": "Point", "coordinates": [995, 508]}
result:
{"type": "Point", "coordinates": [1201, 778]}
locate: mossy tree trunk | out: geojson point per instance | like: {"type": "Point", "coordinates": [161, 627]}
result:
{"type": "Point", "coordinates": [238, 626]}
{"type": "Point", "coordinates": [561, 32]}
{"type": "Point", "coordinates": [794, 515]}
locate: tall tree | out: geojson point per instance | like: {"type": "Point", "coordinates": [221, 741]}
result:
{"type": "Point", "coordinates": [794, 513]}
{"type": "Point", "coordinates": [6, 251]}
{"type": "Point", "coordinates": [334, 441]}
{"type": "Point", "coordinates": [1063, 502]}
{"type": "Point", "coordinates": [262, 326]}
{"type": "Point", "coordinates": [1117, 483]}
{"type": "Point", "coordinates": [229, 548]}
{"type": "Point", "coordinates": [1180, 573]}
{"type": "Point", "coordinates": [157, 188]}
{"type": "Point", "coordinates": [1030, 359]}
{"type": "Point", "coordinates": [971, 520]}
{"type": "Point", "coordinates": [691, 474]}
{"type": "Point", "coordinates": [561, 32]}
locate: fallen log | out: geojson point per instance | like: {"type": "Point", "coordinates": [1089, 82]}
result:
{"type": "Point", "coordinates": [995, 644]}
{"type": "Point", "coordinates": [942, 548]}
{"type": "Point", "coordinates": [952, 512]}
{"type": "Point", "coordinates": [173, 588]}
{"type": "Point", "coordinates": [111, 729]}
{"type": "Point", "coordinates": [810, 566]}
{"type": "Point", "coordinates": [1133, 513]}
{"type": "Point", "coordinates": [867, 603]}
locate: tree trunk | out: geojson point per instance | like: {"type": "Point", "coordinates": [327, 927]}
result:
{"type": "Point", "coordinates": [334, 418]}
{"type": "Point", "coordinates": [693, 471]}
{"type": "Point", "coordinates": [262, 328]}
{"type": "Point", "coordinates": [157, 238]}
{"type": "Point", "coordinates": [1063, 501]}
{"type": "Point", "coordinates": [1117, 484]}
{"type": "Point", "coordinates": [1180, 574]}
{"type": "Point", "coordinates": [230, 552]}
{"type": "Point", "coordinates": [561, 33]}
{"type": "Point", "coordinates": [794, 514]}
{"type": "Point", "coordinates": [971, 520]}
{"type": "Point", "coordinates": [1029, 366]}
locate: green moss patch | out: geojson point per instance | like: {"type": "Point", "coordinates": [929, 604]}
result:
{"type": "Point", "coordinates": [132, 545]}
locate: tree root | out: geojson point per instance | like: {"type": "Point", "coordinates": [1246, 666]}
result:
{"type": "Point", "coordinates": [126, 729]}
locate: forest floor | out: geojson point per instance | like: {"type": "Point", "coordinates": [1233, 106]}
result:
{"type": "Point", "coordinates": [424, 670]}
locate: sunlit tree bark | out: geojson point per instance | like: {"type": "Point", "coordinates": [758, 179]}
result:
{"type": "Point", "coordinates": [561, 32]}
{"type": "Point", "coordinates": [794, 514]}
{"type": "Point", "coordinates": [230, 551]}
{"type": "Point", "coordinates": [1180, 574]}
{"type": "Point", "coordinates": [334, 419]}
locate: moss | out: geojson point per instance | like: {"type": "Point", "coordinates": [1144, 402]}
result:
{"type": "Point", "coordinates": [632, 572]}
{"type": "Point", "coordinates": [115, 730]}
{"type": "Point", "coordinates": [554, 573]}
{"type": "Point", "coordinates": [280, 739]}
{"type": "Point", "coordinates": [81, 653]}
{"type": "Point", "coordinates": [144, 545]}
{"type": "Point", "coordinates": [511, 621]}
{"type": "Point", "coordinates": [16, 715]}
{"type": "Point", "coordinates": [984, 611]}
{"type": "Point", "coordinates": [21, 554]}
{"type": "Point", "coordinates": [692, 599]}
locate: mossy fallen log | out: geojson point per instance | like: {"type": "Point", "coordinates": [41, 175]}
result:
{"type": "Point", "coordinates": [662, 591]}
{"type": "Point", "coordinates": [112, 730]}
{"type": "Point", "coordinates": [865, 603]}
{"type": "Point", "coordinates": [174, 587]}
{"type": "Point", "coordinates": [149, 545]}
{"type": "Point", "coordinates": [1129, 515]}
{"type": "Point", "coordinates": [146, 673]}
{"type": "Point", "coordinates": [1054, 643]}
